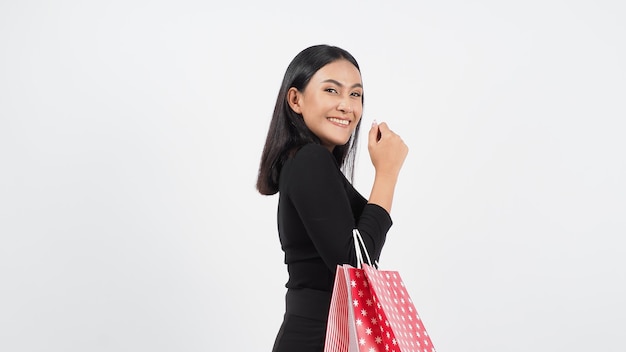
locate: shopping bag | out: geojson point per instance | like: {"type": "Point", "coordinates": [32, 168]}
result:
{"type": "Point", "coordinates": [371, 311]}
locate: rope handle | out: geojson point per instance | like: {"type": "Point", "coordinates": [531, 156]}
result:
{"type": "Point", "coordinates": [359, 247]}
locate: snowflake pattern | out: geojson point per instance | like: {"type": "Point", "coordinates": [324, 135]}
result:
{"type": "Point", "coordinates": [395, 325]}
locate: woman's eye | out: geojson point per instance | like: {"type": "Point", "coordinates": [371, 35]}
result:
{"type": "Point", "coordinates": [356, 94]}
{"type": "Point", "coordinates": [331, 90]}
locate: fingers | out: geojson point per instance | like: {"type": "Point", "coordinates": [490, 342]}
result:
{"type": "Point", "coordinates": [387, 150]}
{"type": "Point", "coordinates": [373, 134]}
{"type": "Point", "coordinates": [377, 131]}
{"type": "Point", "coordinates": [381, 131]}
{"type": "Point", "coordinates": [384, 129]}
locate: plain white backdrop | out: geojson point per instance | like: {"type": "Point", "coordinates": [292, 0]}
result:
{"type": "Point", "coordinates": [130, 135]}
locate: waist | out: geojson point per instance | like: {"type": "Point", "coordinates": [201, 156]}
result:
{"type": "Point", "coordinates": [310, 274]}
{"type": "Point", "coordinates": [308, 303]}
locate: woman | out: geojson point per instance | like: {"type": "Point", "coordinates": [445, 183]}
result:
{"type": "Point", "coordinates": [313, 137]}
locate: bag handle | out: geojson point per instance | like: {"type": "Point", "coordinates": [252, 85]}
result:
{"type": "Point", "coordinates": [359, 247]}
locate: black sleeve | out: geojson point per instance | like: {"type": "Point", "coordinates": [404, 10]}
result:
{"type": "Point", "coordinates": [316, 189]}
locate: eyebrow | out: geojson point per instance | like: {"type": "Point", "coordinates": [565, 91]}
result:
{"type": "Point", "coordinates": [341, 85]}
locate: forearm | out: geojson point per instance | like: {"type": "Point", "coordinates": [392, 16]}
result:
{"type": "Point", "coordinates": [383, 190]}
{"type": "Point", "coordinates": [387, 151]}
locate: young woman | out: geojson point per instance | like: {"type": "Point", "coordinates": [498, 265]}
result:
{"type": "Point", "coordinates": [310, 147]}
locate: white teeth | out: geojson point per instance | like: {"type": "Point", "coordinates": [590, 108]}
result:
{"type": "Point", "coordinates": [343, 122]}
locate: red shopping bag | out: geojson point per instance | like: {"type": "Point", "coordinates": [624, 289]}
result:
{"type": "Point", "coordinates": [371, 311]}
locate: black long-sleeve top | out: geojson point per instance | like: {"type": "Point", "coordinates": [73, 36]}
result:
{"type": "Point", "coordinates": [317, 210]}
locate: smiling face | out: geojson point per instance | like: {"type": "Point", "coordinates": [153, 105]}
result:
{"type": "Point", "coordinates": [331, 103]}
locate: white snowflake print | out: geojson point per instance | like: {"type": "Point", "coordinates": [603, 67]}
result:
{"type": "Point", "coordinates": [386, 313]}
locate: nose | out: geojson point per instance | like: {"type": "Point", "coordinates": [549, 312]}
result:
{"type": "Point", "coordinates": [345, 108]}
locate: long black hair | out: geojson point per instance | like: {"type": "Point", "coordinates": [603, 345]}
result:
{"type": "Point", "coordinates": [288, 131]}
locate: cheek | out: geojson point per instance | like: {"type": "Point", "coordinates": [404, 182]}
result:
{"type": "Point", "coordinates": [359, 107]}
{"type": "Point", "coordinates": [356, 123]}
{"type": "Point", "coordinates": [359, 113]}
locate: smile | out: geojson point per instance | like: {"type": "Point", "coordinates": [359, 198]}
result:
{"type": "Point", "coordinates": [339, 121]}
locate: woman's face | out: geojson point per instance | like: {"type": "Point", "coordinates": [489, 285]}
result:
{"type": "Point", "coordinates": [331, 104]}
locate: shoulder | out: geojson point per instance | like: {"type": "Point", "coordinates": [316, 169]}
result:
{"type": "Point", "coordinates": [312, 162]}
{"type": "Point", "coordinates": [313, 152]}
{"type": "Point", "coordinates": [314, 158]}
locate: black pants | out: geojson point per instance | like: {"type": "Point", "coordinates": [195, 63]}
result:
{"type": "Point", "coordinates": [304, 325]}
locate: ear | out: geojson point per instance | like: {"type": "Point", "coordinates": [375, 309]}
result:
{"type": "Point", "coordinates": [293, 99]}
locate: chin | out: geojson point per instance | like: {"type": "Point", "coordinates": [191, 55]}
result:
{"type": "Point", "coordinates": [337, 142]}
{"type": "Point", "coordinates": [342, 144]}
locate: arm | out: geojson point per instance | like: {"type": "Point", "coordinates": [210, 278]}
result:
{"type": "Point", "coordinates": [387, 153]}
{"type": "Point", "coordinates": [316, 188]}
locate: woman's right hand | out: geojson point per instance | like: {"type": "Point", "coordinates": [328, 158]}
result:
{"type": "Point", "coordinates": [387, 150]}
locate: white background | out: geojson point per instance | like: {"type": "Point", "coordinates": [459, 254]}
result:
{"type": "Point", "coordinates": [130, 136]}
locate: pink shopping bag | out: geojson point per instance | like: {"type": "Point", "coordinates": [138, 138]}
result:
{"type": "Point", "coordinates": [371, 311]}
